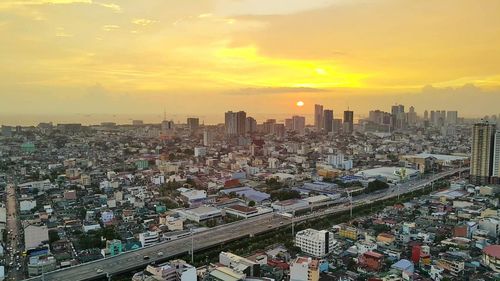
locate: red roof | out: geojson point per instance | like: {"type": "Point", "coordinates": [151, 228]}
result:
{"type": "Point", "coordinates": [373, 254]}
{"type": "Point", "coordinates": [492, 250]}
{"type": "Point", "coordinates": [232, 183]}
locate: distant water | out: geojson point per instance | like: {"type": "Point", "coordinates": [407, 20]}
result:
{"type": "Point", "coordinates": [94, 119]}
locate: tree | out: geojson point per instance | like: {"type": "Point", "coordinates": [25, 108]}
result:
{"type": "Point", "coordinates": [284, 195]}
{"type": "Point", "coordinates": [379, 228]}
{"type": "Point", "coordinates": [251, 204]}
{"type": "Point", "coordinates": [376, 185]}
{"type": "Point", "coordinates": [53, 236]}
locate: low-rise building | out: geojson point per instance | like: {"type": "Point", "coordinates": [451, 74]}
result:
{"type": "Point", "coordinates": [149, 238]}
{"type": "Point", "coordinates": [201, 213]}
{"type": "Point", "coordinates": [491, 257]}
{"type": "Point", "coordinates": [304, 269]}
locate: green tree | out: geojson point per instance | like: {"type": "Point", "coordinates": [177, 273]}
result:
{"type": "Point", "coordinates": [376, 185]}
{"type": "Point", "coordinates": [53, 236]}
{"type": "Point", "coordinates": [251, 204]}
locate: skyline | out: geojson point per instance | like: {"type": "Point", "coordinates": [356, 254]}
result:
{"type": "Point", "coordinates": [212, 119]}
{"type": "Point", "coordinates": [69, 57]}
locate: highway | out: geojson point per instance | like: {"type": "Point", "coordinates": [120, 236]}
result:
{"type": "Point", "coordinates": [14, 237]}
{"type": "Point", "coordinates": [134, 260]}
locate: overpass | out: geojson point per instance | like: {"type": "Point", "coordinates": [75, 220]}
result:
{"type": "Point", "coordinates": [134, 260]}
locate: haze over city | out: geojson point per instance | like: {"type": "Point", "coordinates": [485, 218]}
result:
{"type": "Point", "coordinates": [249, 140]}
{"type": "Point", "coordinates": [63, 58]}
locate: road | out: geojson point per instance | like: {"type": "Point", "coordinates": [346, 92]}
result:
{"type": "Point", "coordinates": [130, 261]}
{"type": "Point", "coordinates": [14, 236]}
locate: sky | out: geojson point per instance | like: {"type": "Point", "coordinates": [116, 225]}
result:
{"type": "Point", "coordinates": [204, 57]}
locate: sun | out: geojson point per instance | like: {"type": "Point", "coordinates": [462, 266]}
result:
{"type": "Point", "coordinates": [300, 103]}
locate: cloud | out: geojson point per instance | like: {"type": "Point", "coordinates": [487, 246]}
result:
{"type": "Point", "coordinates": [114, 7]}
{"type": "Point", "coordinates": [143, 22]}
{"type": "Point", "coordinates": [10, 4]}
{"type": "Point", "coordinates": [467, 89]}
{"type": "Point", "coordinates": [110, 27]}
{"type": "Point", "coordinates": [275, 90]}
{"type": "Point", "coordinates": [266, 7]}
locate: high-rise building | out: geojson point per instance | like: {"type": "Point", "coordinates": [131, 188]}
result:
{"type": "Point", "coordinates": [426, 115]}
{"type": "Point", "coordinates": [452, 117]}
{"type": "Point", "coordinates": [433, 117]}
{"type": "Point", "coordinates": [328, 120]}
{"type": "Point", "coordinates": [348, 126]}
{"type": "Point", "coordinates": [299, 124]}
{"type": "Point", "coordinates": [289, 124]}
{"type": "Point", "coordinates": [268, 126]}
{"type": "Point", "coordinates": [481, 164]}
{"type": "Point", "coordinates": [235, 123]}
{"type": "Point", "coordinates": [193, 123]}
{"type": "Point", "coordinates": [398, 117]}
{"type": "Point", "coordinates": [412, 116]}
{"type": "Point", "coordinates": [167, 128]}
{"type": "Point", "coordinates": [251, 125]}
{"type": "Point", "coordinates": [337, 125]}
{"type": "Point", "coordinates": [207, 137]}
{"type": "Point", "coordinates": [495, 173]}
{"type": "Point", "coordinates": [318, 117]}
{"type": "Point", "coordinates": [241, 120]}
{"type": "Point", "coordinates": [279, 130]}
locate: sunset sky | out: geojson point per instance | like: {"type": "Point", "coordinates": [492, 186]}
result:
{"type": "Point", "coordinates": [203, 57]}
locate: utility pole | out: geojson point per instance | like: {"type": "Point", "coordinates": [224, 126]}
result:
{"type": "Point", "coordinates": [192, 247]}
{"type": "Point", "coordinates": [349, 194]}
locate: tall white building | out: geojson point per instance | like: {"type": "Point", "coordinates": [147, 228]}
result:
{"type": "Point", "coordinates": [317, 243]}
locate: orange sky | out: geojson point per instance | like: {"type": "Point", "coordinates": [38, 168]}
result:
{"type": "Point", "coordinates": [202, 57]}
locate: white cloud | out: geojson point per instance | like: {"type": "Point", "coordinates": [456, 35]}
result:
{"type": "Point", "coordinates": [275, 7]}
{"type": "Point", "coordinates": [143, 22]}
{"type": "Point", "coordinates": [110, 27]}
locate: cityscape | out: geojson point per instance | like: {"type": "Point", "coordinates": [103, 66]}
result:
{"type": "Point", "coordinates": [394, 196]}
{"type": "Point", "coordinates": [249, 140]}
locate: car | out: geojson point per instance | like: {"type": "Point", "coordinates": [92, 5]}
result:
{"type": "Point", "coordinates": [160, 254]}
{"type": "Point", "coordinates": [269, 226]}
{"type": "Point", "coordinates": [99, 270]}
{"type": "Point", "coordinates": [281, 222]}
{"type": "Point", "coordinates": [146, 257]}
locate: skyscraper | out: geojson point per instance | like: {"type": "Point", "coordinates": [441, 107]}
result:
{"type": "Point", "coordinates": [398, 117]}
{"type": "Point", "coordinates": [495, 173]}
{"type": "Point", "coordinates": [235, 123]}
{"type": "Point", "coordinates": [251, 125]}
{"type": "Point", "coordinates": [348, 122]}
{"type": "Point", "coordinates": [299, 124]}
{"type": "Point", "coordinates": [207, 137]}
{"type": "Point", "coordinates": [328, 120]}
{"type": "Point", "coordinates": [241, 120]}
{"type": "Point", "coordinates": [452, 117]}
{"type": "Point", "coordinates": [193, 123]}
{"type": "Point", "coordinates": [412, 116]}
{"type": "Point", "coordinates": [483, 140]}
{"type": "Point", "coordinates": [318, 117]}
{"type": "Point", "coordinates": [230, 123]}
